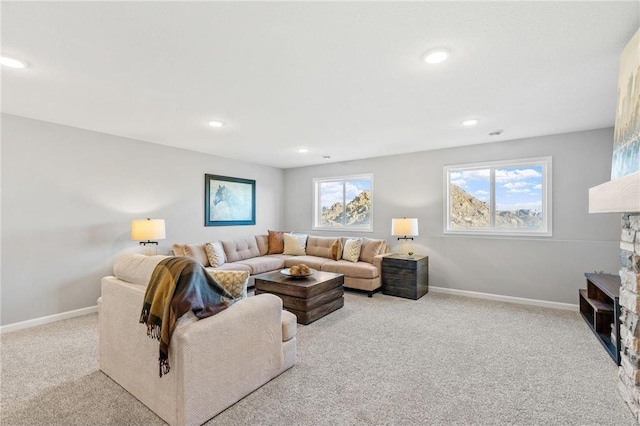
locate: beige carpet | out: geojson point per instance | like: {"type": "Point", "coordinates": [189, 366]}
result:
{"type": "Point", "coordinates": [381, 360]}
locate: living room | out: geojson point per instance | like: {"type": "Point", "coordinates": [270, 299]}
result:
{"type": "Point", "coordinates": [74, 177]}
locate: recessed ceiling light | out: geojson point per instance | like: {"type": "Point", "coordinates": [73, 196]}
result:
{"type": "Point", "coordinates": [303, 150]}
{"type": "Point", "coordinates": [469, 123]}
{"type": "Point", "coordinates": [216, 123]}
{"type": "Point", "coordinates": [11, 62]}
{"type": "Point", "coordinates": [436, 56]}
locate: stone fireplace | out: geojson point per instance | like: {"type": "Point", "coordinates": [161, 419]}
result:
{"type": "Point", "coordinates": [629, 371]}
{"type": "Point", "coordinates": [622, 195]}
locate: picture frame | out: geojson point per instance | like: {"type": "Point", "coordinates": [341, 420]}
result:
{"type": "Point", "coordinates": [229, 201]}
{"type": "Point", "coordinates": [626, 137]}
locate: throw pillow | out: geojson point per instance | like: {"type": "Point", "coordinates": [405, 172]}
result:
{"type": "Point", "coordinates": [215, 253]}
{"type": "Point", "coordinates": [336, 250]}
{"type": "Point", "coordinates": [370, 248]}
{"type": "Point", "coordinates": [196, 252]}
{"type": "Point", "coordinates": [262, 241]}
{"type": "Point", "coordinates": [276, 242]}
{"type": "Point", "coordinates": [351, 250]}
{"type": "Point", "coordinates": [178, 250]}
{"type": "Point", "coordinates": [235, 282]}
{"type": "Point", "coordinates": [295, 244]}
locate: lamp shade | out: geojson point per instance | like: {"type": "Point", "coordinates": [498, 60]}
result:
{"type": "Point", "coordinates": [406, 226]}
{"type": "Point", "coordinates": [147, 229]}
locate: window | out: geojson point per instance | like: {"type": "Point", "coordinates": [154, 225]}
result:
{"type": "Point", "coordinates": [499, 198]}
{"type": "Point", "coordinates": [344, 203]}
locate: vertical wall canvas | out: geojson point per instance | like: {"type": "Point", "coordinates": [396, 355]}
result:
{"type": "Point", "coordinates": [626, 140]}
{"type": "Point", "coordinates": [229, 201]}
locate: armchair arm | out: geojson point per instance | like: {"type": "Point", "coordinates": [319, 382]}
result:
{"type": "Point", "coordinates": [225, 357]}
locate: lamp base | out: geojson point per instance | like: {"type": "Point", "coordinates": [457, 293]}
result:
{"type": "Point", "coordinates": [149, 248]}
{"type": "Point", "coordinates": [405, 248]}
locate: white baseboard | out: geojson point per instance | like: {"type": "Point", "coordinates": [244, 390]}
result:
{"type": "Point", "coordinates": [508, 299]}
{"type": "Point", "coordinates": [46, 320]}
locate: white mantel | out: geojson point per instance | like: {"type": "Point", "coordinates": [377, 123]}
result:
{"type": "Point", "coordinates": [620, 195]}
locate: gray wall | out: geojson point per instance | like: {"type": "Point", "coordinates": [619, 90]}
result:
{"type": "Point", "coordinates": [544, 268]}
{"type": "Point", "coordinates": [68, 198]}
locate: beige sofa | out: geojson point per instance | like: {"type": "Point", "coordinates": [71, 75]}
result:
{"type": "Point", "coordinates": [215, 362]}
{"type": "Point", "coordinates": [251, 254]}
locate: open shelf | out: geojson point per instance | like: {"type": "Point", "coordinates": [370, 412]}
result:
{"type": "Point", "coordinates": [601, 311]}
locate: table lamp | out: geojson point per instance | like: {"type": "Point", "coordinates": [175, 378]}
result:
{"type": "Point", "coordinates": [146, 231]}
{"type": "Point", "coordinates": [405, 229]}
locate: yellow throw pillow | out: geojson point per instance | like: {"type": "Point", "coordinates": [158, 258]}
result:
{"type": "Point", "coordinates": [336, 250]}
{"type": "Point", "coordinates": [235, 282]}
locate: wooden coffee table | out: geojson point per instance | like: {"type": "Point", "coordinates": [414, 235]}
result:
{"type": "Point", "coordinates": [308, 298]}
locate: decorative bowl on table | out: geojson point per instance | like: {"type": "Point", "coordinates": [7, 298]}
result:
{"type": "Point", "coordinates": [297, 271]}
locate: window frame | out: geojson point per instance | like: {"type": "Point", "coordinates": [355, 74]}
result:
{"type": "Point", "coordinates": [316, 202]}
{"type": "Point", "coordinates": [546, 229]}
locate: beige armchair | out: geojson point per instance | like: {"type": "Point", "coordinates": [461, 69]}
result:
{"type": "Point", "coordinates": [215, 362]}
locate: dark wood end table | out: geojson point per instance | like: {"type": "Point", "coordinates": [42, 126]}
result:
{"type": "Point", "coordinates": [405, 277]}
{"type": "Point", "coordinates": [309, 298]}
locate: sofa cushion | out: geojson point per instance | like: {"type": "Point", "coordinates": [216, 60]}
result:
{"type": "Point", "coordinates": [235, 282]}
{"type": "Point", "coordinates": [263, 244]}
{"type": "Point", "coordinates": [197, 253]}
{"type": "Point", "coordinates": [281, 256]}
{"type": "Point", "coordinates": [314, 262]}
{"type": "Point", "coordinates": [370, 248]}
{"type": "Point", "coordinates": [241, 248]}
{"type": "Point", "coordinates": [295, 244]}
{"type": "Point", "coordinates": [351, 269]}
{"type": "Point", "coordinates": [135, 268]}
{"type": "Point", "coordinates": [351, 250]}
{"type": "Point", "coordinates": [235, 266]}
{"type": "Point", "coordinates": [261, 264]}
{"type": "Point", "coordinates": [323, 247]}
{"type": "Point", "coordinates": [275, 242]}
{"type": "Point", "coordinates": [215, 253]}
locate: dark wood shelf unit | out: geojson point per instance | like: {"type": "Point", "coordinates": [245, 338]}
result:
{"type": "Point", "coordinates": [600, 308]}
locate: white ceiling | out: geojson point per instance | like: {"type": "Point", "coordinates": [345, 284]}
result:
{"type": "Point", "coordinates": [344, 79]}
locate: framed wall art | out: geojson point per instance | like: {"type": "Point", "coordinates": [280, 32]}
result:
{"type": "Point", "coordinates": [229, 201]}
{"type": "Point", "coordinates": [626, 137]}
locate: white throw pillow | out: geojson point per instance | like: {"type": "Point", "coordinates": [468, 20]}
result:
{"type": "Point", "coordinates": [215, 253]}
{"type": "Point", "coordinates": [351, 251]}
{"type": "Point", "coordinates": [295, 244]}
